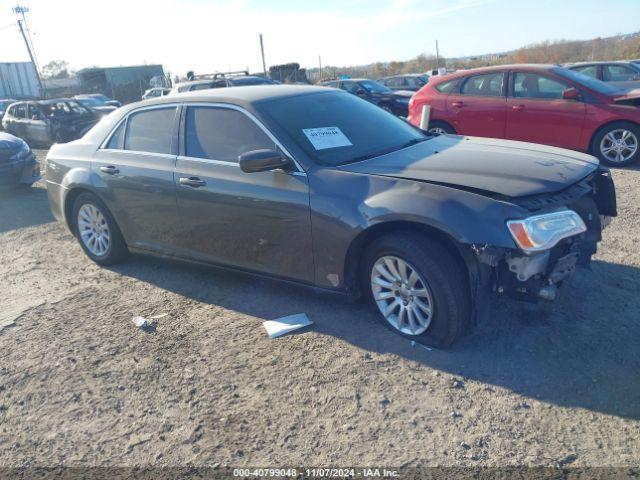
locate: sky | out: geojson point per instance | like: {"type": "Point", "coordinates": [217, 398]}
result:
{"type": "Point", "coordinates": [221, 35]}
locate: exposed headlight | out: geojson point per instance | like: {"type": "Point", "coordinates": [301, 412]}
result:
{"type": "Point", "coordinates": [542, 232]}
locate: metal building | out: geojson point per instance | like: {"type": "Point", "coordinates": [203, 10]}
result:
{"type": "Point", "coordinates": [18, 80]}
{"type": "Point", "coordinates": [126, 84]}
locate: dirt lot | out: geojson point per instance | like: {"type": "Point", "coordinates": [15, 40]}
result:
{"type": "Point", "coordinates": [81, 385]}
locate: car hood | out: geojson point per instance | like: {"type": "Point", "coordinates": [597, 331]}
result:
{"type": "Point", "coordinates": [485, 165]}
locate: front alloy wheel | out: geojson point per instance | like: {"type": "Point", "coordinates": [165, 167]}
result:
{"type": "Point", "coordinates": [402, 295]}
{"type": "Point", "coordinates": [418, 286]}
{"type": "Point", "coordinates": [619, 146]}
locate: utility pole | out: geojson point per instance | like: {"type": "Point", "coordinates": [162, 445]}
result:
{"type": "Point", "coordinates": [437, 56]}
{"type": "Point", "coordinates": [21, 10]}
{"type": "Point", "coordinates": [264, 65]}
{"type": "Point", "coordinates": [30, 53]}
{"type": "Point", "coordinates": [320, 63]}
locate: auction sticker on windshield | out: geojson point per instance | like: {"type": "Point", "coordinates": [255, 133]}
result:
{"type": "Point", "coordinates": [326, 137]}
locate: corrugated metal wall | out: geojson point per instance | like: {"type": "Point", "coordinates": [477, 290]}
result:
{"type": "Point", "coordinates": [18, 80]}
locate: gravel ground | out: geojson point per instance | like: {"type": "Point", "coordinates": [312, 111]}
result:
{"type": "Point", "coordinates": [81, 385]}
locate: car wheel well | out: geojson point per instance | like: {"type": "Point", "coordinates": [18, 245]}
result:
{"type": "Point", "coordinates": [592, 146]}
{"type": "Point", "coordinates": [442, 122]}
{"type": "Point", "coordinates": [357, 248]}
{"type": "Point", "coordinates": [68, 204]}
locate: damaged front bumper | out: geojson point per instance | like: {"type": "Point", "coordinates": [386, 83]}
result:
{"type": "Point", "coordinates": [531, 276]}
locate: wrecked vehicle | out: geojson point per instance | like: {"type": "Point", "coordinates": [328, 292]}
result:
{"type": "Point", "coordinates": [47, 121]}
{"type": "Point", "coordinates": [18, 164]}
{"type": "Point", "coordinates": [320, 187]}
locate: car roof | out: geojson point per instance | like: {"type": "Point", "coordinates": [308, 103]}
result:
{"type": "Point", "coordinates": [598, 62]}
{"type": "Point", "coordinates": [404, 75]}
{"type": "Point", "coordinates": [531, 67]}
{"type": "Point", "coordinates": [238, 95]}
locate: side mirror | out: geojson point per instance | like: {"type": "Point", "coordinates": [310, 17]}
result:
{"type": "Point", "coordinates": [571, 94]}
{"type": "Point", "coordinates": [361, 91]}
{"type": "Point", "coordinates": [263, 161]}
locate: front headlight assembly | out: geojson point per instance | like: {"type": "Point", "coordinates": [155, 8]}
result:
{"type": "Point", "coordinates": [542, 232]}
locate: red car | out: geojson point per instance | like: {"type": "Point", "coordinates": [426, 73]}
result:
{"type": "Point", "coordinates": [535, 103]}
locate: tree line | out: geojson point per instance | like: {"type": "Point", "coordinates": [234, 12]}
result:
{"type": "Point", "coordinates": [621, 47]}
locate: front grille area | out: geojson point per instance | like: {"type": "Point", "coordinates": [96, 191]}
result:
{"type": "Point", "coordinates": [564, 197]}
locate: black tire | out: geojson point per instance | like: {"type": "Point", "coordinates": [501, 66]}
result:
{"type": "Point", "coordinates": [436, 126]}
{"type": "Point", "coordinates": [597, 143]}
{"type": "Point", "coordinates": [117, 249]}
{"type": "Point", "coordinates": [445, 276]}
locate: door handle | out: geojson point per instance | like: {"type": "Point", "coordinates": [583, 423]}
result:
{"type": "Point", "coordinates": [518, 108]}
{"type": "Point", "coordinates": [194, 182]}
{"type": "Point", "coordinates": [111, 170]}
{"type": "Point", "coordinates": [457, 104]}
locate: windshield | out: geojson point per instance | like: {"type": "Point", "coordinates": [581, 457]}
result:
{"type": "Point", "coordinates": [374, 87]}
{"type": "Point", "coordinates": [587, 81]}
{"type": "Point", "coordinates": [335, 128]}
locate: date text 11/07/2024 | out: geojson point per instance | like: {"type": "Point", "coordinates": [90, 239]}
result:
{"type": "Point", "coordinates": [315, 472]}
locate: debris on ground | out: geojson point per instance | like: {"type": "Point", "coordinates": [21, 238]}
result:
{"type": "Point", "coordinates": [282, 326]}
{"type": "Point", "coordinates": [140, 322]}
{"type": "Point", "coordinates": [7, 324]}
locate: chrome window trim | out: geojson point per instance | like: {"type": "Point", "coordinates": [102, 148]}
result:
{"type": "Point", "coordinates": [255, 120]}
{"type": "Point", "coordinates": [125, 119]}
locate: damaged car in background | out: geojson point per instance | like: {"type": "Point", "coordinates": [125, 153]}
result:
{"type": "Point", "coordinates": [45, 122]}
{"type": "Point", "coordinates": [320, 187]}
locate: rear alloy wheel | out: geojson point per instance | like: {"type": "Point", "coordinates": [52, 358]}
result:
{"type": "Point", "coordinates": [618, 144]}
{"type": "Point", "coordinates": [420, 289]}
{"type": "Point", "coordinates": [97, 231]}
{"type": "Point", "coordinates": [94, 230]}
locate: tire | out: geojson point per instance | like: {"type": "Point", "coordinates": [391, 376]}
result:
{"type": "Point", "coordinates": [437, 127]}
{"type": "Point", "coordinates": [108, 252]}
{"type": "Point", "coordinates": [629, 149]}
{"type": "Point", "coordinates": [440, 274]}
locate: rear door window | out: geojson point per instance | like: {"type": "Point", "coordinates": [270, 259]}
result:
{"type": "Point", "coordinates": [487, 85]}
{"type": "Point", "coordinates": [20, 110]}
{"type": "Point", "coordinates": [589, 70]}
{"type": "Point", "coordinates": [618, 73]}
{"type": "Point", "coordinates": [448, 87]}
{"type": "Point", "coordinates": [222, 134]}
{"type": "Point", "coordinates": [395, 82]}
{"type": "Point", "coordinates": [532, 85]}
{"type": "Point", "coordinates": [414, 82]}
{"type": "Point", "coordinates": [151, 130]}
{"type": "Point", "coordinates": [117, 138]}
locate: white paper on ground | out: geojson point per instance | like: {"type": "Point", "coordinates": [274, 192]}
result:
{"type": "Point", "coordinates": [283, 325]}
{"type": "Point", "coordinates": [326, 137]}
{"type": "Point", "coordinates": [140, 322]}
